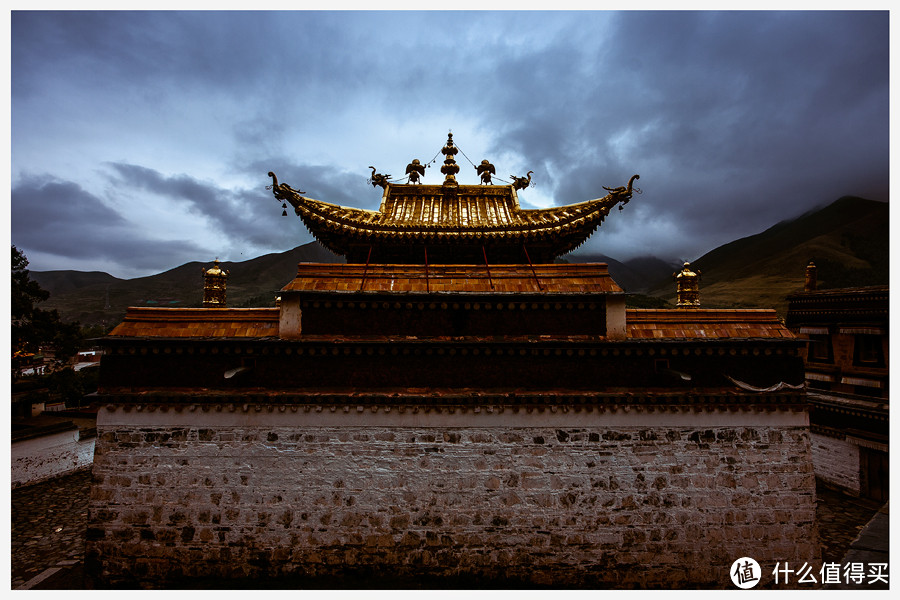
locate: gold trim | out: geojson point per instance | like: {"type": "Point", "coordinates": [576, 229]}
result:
{"type": "Point", "coordinates": [467, 214]}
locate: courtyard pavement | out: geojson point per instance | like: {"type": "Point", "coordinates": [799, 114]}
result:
{"type": "Point", "coordinates": [49, 520]}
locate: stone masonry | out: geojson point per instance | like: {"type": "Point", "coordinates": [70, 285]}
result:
{"type": "Point", "coordinates": [484, 496]}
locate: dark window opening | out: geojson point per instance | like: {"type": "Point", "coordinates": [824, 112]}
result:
{"type": "Point", "coordinates": [820, 348]}
{"type": "Point", "coordinates": [874, 474]}
{"type": "Point", "coordinates": [867, 350]}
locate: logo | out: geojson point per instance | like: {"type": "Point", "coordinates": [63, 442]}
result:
{"type": "Point", "coordinates": [745, 573]}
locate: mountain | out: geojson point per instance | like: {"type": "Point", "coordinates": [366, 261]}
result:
{"type": "Point", "coordinates": [99, 298]}
{"type": "Point", "coordinates": [60, 282]}
{"type": "Point", "coordinates": [635, 275]}
{"type": "Point", "coordinates": [848, 240]}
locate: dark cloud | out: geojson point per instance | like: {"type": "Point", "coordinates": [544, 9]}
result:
{"type": "Point", "coordinates": [327, 183]}
{"type": "Point", "coordinates": [734, 120]}
{"type": "Point", "coordinates": [59, 218]}
{"type": "Point", "coordinates": [253, 216]}
{"type": "Point", "coordinates": [730, 118]}
{"type": "Point", "coordinates": [241, 216]}
{"type": "Point", "coordinates": [190, 51]}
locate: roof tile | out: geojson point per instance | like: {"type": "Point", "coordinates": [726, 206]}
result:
{"type": "Point", "coordinates": [704, 323]}
{"type": "Point", "coordinates": [198, 322]}
{"type": "Point", "coordinates": [581, 278]}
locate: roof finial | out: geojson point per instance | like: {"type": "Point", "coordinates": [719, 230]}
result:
{"type": "Point", "coordinates": [811, 279]}
{"type": "Point", "coordinates": [214, 282]}
{"type": "Point", "coordinates": [687, 287]}
{"type": "Point", "coordinates": [450, 168]}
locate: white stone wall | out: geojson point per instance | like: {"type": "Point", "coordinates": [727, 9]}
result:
{"type": "Point", "coordinates": [836, 461]}
{"type": "Point", "coordinates": [47, 456]}
{"type": "Point", "coordinates": [597, 499]}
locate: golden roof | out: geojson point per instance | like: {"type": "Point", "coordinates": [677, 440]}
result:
{"type": "Point", "coordinates": [659, 324]}
{"type": "Point", "coordinates": [460, 279]}
{"type": "Point", "coordinates": [198, 323]}
{"type": "Point", "coordinates": [458, 216]}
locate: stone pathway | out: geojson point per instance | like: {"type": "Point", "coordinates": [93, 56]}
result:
{"type": "Point", "coordinates": [48, 526]}
{"type": "Point", "coordinates": [49, 521]}
{"type": "Point", "coordinates": [840, 518]}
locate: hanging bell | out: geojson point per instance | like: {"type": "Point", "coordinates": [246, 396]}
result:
{"type": "Point", "coordinates": [284, 212]}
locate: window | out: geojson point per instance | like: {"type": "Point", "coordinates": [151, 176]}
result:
{"type": "Point", "coordinates": [819, 348]}
{"type": "Point", "coordinates": [867, 350]}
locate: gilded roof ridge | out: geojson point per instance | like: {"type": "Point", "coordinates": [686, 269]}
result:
{"type": "Point", "coordinates": [461, 216]}
{"type": "Point", "coordinates": [564, 216]}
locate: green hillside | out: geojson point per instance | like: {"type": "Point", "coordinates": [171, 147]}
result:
{"type": "Point", "coordinates": [83, 297]}
{"type": "Point", "coordinates": [848, 240]}
{"type": "Point", "coordinates": [635, 275]}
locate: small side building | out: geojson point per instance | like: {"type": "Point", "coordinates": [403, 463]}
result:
{"type": "Point", "coordinates": [846, 365]}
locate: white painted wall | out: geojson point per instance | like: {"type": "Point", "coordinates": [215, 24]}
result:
{"type": "Point", "coordinates": [41, 458]}
{"type": "Point", "coordinates": [836, 461]}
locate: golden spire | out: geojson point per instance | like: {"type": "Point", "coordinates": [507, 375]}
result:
{"type": "Point", "coordinates": [450, 168]}
{"type": "Point", "coordinates": [687, 287]}
{"type": "Point", "coordinates": [214, 282]}
{"type": "Point", "coordinates": [810, 285]}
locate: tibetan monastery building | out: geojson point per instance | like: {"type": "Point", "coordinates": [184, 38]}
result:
{"type": "Point", "coordinates": [450, 408]}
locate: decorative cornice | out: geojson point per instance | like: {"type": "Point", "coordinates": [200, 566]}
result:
{"type": "Point", "coordinates": [526, 345]}
{"type": "Point", "coordinates": [847, 408]}
{"type": "Point", "coordinates": [838, 304]}
{"type": "Point", "coordinates": [829, 295]}
{"type": "Point", "coordinates": [473, 402]}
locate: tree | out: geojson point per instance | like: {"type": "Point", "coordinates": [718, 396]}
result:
{"type": "Point", "coordinates": [25, 292]}
{"type": "Point", "coordinates": [33, 328]}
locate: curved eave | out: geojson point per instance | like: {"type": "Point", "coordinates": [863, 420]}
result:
{"type": "Point", "coordinates": [326, 220]}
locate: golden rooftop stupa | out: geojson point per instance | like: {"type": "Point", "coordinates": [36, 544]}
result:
{"type": "Point", "coordinates": [451, 223]}
{"type": "Point", "coordinates": [214, 286]}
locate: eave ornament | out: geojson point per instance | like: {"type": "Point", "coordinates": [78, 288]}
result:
{"type": "Point", "coordinates": [623, 191]}
{"type": "Point", "coordinates": [520, 183]}
{"type": "Point", "coordinates": [415, 169]}
{"type": "Point", "coordinates": [283, 192]}
{"type": "Point", "coordinates": [485, 170]}
{"type": "Point", "coordinates": [378, 179]}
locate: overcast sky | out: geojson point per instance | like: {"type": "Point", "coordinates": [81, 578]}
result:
{"type": "Point", "coordinates": [141, 140]}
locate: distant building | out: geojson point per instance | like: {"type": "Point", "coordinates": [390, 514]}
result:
{"type": "Point", "coordinates": [87, 359]}
{"type": "Point", "coordinates": [846, 362]}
